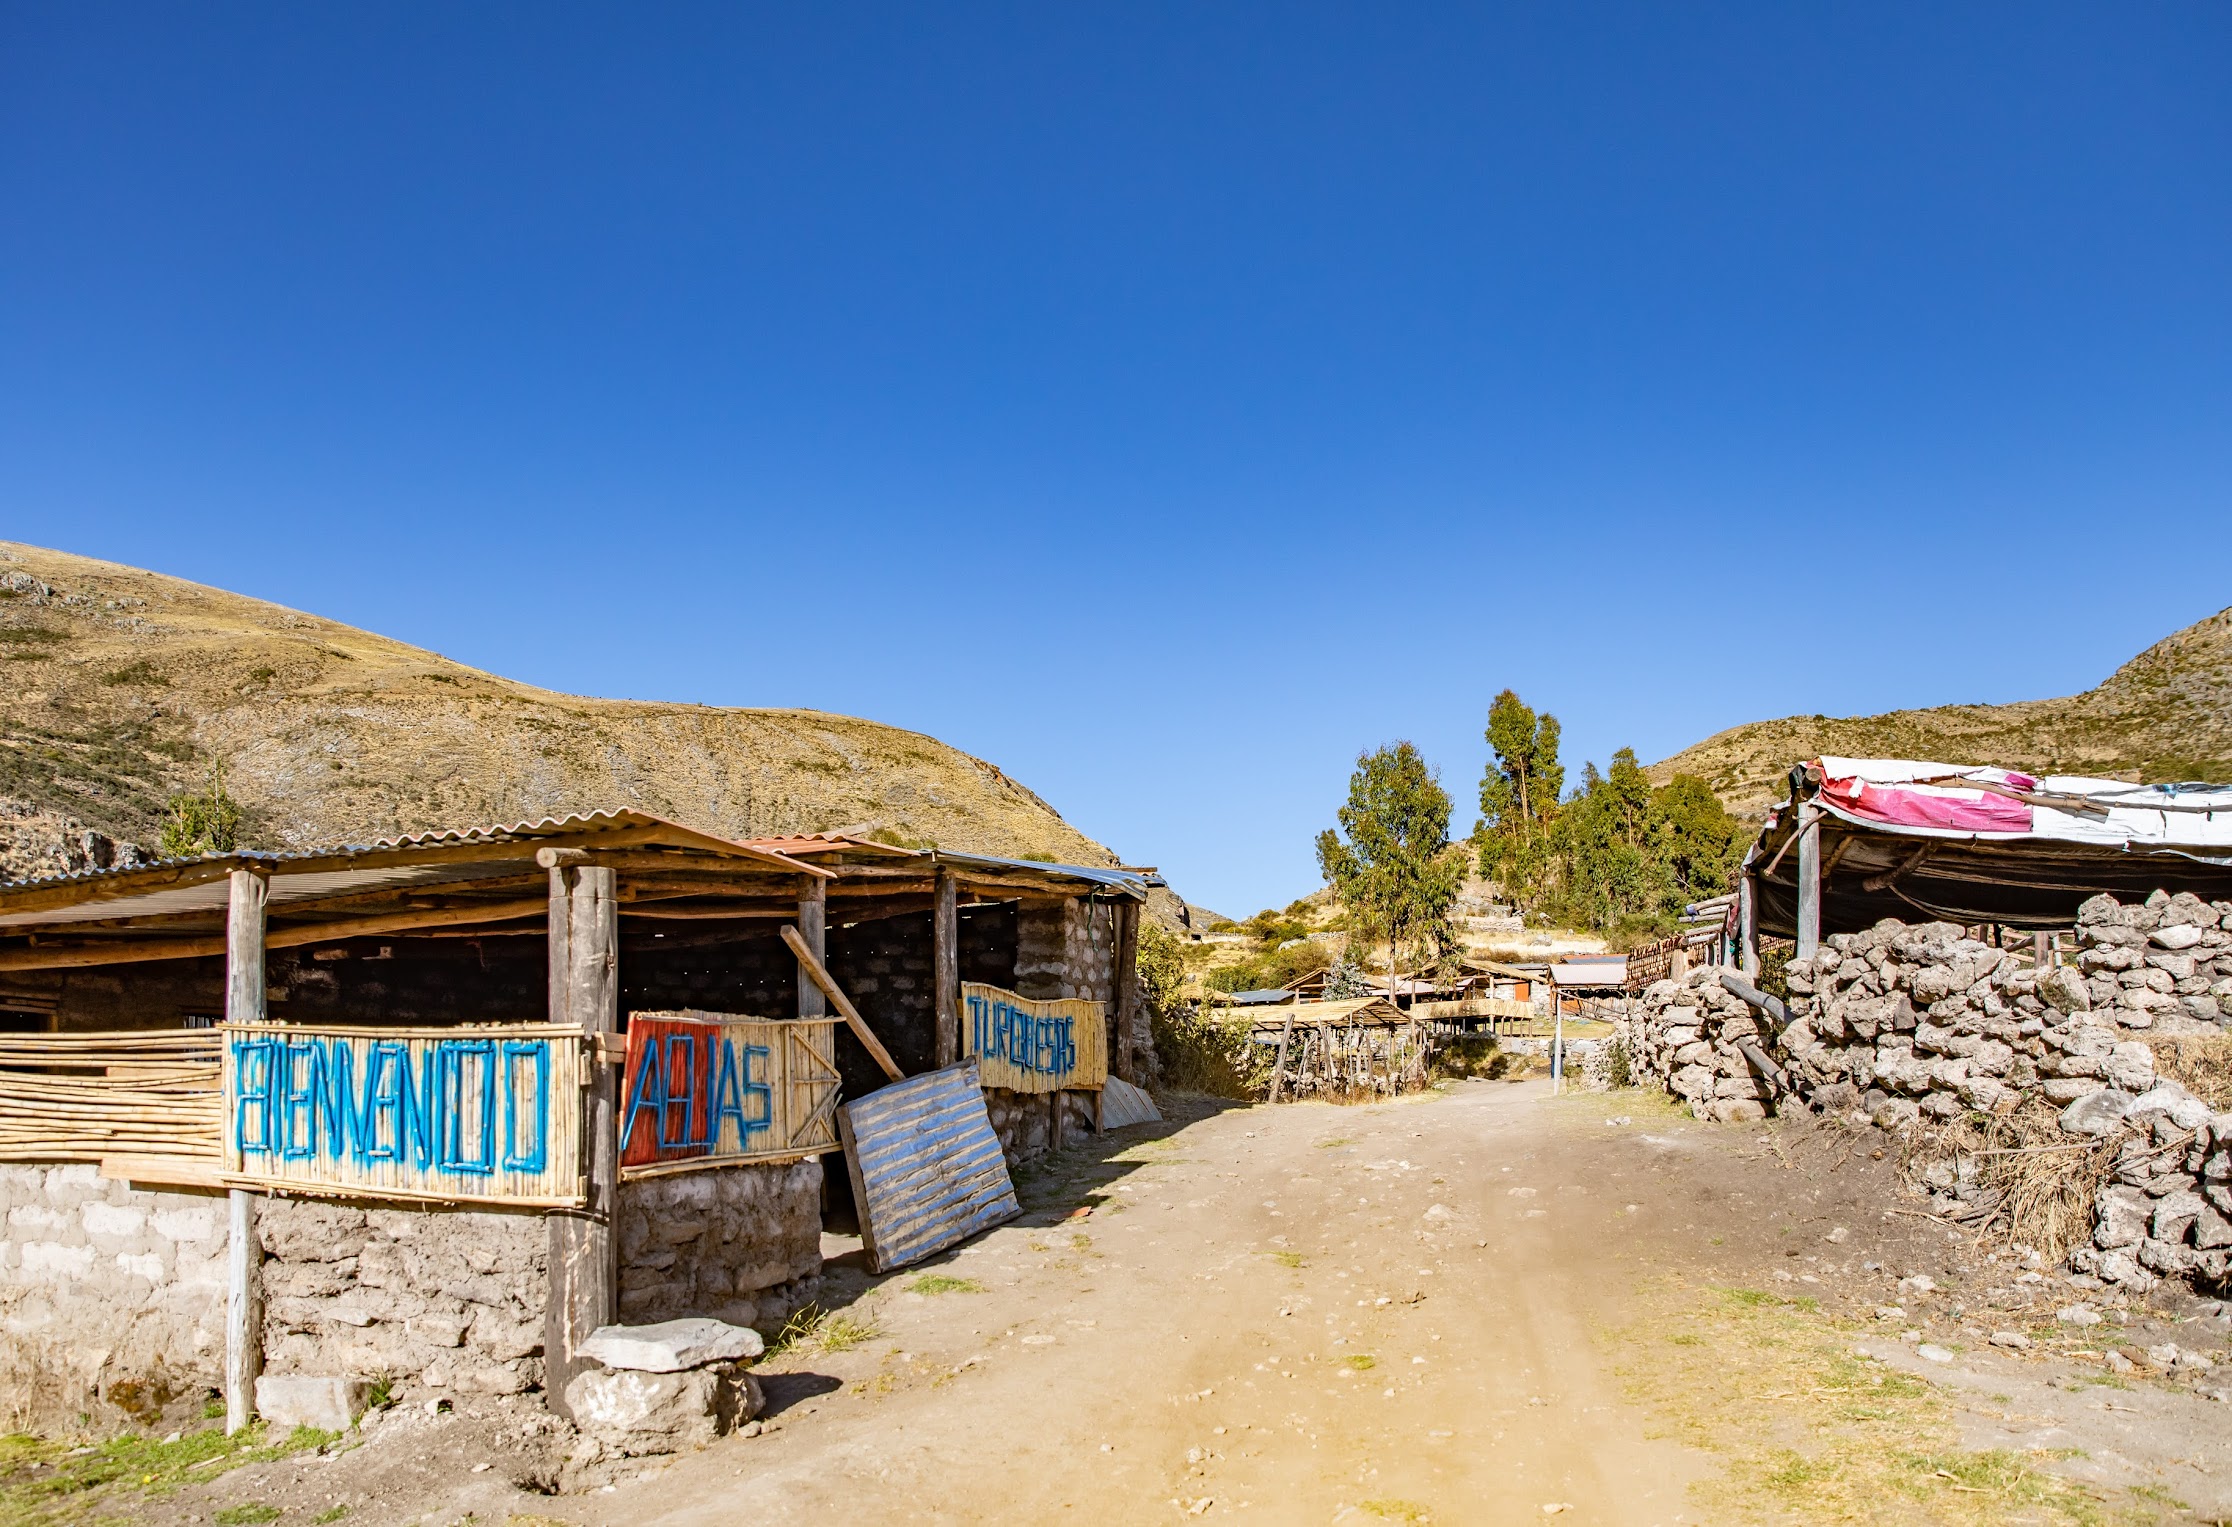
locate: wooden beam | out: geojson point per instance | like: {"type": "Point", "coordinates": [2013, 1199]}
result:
{"type": "Point", "coordinates": [735, 860]}
{"type": "Point", "coordinates": [1809, 887]}
{"type": "Point", "coordinates": [584, 1252]}
{"type": "Point", "coordinates": [244, 1003]}
{"type": "Point", "coordinates": [1747, 926]}
{"type": "Point", "coordinates": [945, 967]}
{"type": "Point", "coordinates": [74, 956]}
{"type": "Point", "coordinates": [1127, 985]}
{"type": "Point", "coordinates": [819, 974]}
{"type": "Point", "coordinates": [813, 927]}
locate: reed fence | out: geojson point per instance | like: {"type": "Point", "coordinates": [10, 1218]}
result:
{"type": "Point", "coordinates": [82, 1097]}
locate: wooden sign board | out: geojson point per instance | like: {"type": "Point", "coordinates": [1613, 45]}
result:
{"type": "Point", "coordinates": [1026, 1046]}
{"type": "Point", "coordinates": [927, 1170]}
{"type": "Point", "coordinates": [713, 1089]}
{"type": "Point", "coordinates": [461, 1115]}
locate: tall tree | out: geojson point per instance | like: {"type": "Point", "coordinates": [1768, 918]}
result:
{"type": "Point", "coordinates": [1704, 843]}
{"type": "Point", "coordinates": [1387, 860]}
{"type": "Point", "coordinates": [1519, 798]}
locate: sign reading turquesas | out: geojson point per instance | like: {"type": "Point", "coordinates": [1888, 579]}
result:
{"type": "Point", "coordinates": [1027, 1046]}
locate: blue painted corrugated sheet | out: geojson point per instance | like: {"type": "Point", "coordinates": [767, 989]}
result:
{"type": "Point", "coordinates": [926, 1168]}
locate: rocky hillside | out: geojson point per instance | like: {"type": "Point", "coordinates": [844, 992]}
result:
{"type": "Point", "coordinates": [122, 686]}
{"type": "Point", "coordinates": [2165, 715]}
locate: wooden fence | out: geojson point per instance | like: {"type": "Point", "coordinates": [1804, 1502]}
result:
{"type": "Point", "coordinates": [84, 1097]}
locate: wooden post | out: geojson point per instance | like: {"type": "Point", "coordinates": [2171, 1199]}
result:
{"type": "Point", "coordinates": [1278, 1067]}
{"type": "Point", "coordinates": [1809, 887]}
{"type": "Point", "coordinates": [1127, 984]}
{"type": "Point", "coordinates": [813, 926]}
{"type": "Point", "coordinates": [2041, 951]}
{"type": "Point", "coordinates": [244, 1003]}
{"type": "Point", "coordinates": [945, 967]}
{"type": "Point", "coordinates": [1747, 927]}
{"type": "Point", "coordinates": [584, 1254]}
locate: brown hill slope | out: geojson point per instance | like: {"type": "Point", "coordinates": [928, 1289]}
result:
{"type": "Point", "coordinates": [119, 686]}
{"type": "Point", "coordinates": [2165, 715]}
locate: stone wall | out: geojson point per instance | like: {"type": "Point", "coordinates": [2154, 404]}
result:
{"type": "Point", "coordinates": [742, 1244]}
{"type": "Point", "coordinates": [1904, 1025]}
{"type": "Point", "coordinates": [112, 1298]}
{"type": "Point", "coordinates": [432, 1299]}
{"type": "Point", "coordinates": [1029, 1126]}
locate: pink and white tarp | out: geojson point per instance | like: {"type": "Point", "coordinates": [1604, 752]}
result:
{"type": "Point", "coordinates": [1958, 800]}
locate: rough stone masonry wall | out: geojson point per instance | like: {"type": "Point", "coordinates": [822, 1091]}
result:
{"type": "Point", "coordinates": [742, 1244]}
{"type": "Point", "coordinates": [109, 1296]}
{"type": "Point", "coordinates": [447, 1300]}
{"type": "Point", "coordinates": [1906, 1023]}
{"type": "Point", "coordinates": [1062, 949]}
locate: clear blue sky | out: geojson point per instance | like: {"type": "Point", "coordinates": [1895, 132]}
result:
{"type": "Point", "coordinates": [1164, 402]}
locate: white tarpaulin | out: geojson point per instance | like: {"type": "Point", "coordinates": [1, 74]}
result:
{"type": "Point", "coordinates": [1964, 801]}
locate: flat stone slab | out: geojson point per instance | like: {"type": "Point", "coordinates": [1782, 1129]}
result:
{"type": "Point", "coordinates": [672, 1346]}
{"type": "Point", "coordinates": [291, 1400]}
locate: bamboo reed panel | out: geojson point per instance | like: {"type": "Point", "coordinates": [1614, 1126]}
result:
{"type": "Point", "coordinates": [1027, 1046]}
{"type": "Point", "coordinates": [713, 1089]}
{"type": "Point", "coordinates": [80, 1097]}
{"type": "Point", "coordinates": [480, 1114]}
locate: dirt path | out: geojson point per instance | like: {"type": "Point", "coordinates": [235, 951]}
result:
{"type": "Point", "coordinates": [1407, 1312]}
{"type": "Point", "coordinates": [1299, 1313]}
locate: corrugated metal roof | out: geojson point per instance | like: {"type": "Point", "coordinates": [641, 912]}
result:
{"type": "Point", "coordinates": [197, 883]}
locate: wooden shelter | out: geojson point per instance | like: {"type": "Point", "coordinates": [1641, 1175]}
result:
{"type": "Point", "coordinates": [444, 1016]}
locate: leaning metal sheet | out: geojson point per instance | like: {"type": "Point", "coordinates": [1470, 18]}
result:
{"type": "Point", "coordinates": [927, 1172]}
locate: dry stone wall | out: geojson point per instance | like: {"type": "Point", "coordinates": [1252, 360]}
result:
{"type": "Point", "coordinates": [1907, 1024]}
{"type": "Point", "coordinates": [432, 1299]}
{"type": "Point", "coordinates": [741, 1244]}
{"type": "Point", "coordinates": [112, 1298]}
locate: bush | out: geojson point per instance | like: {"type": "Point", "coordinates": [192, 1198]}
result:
{"type": "Point", "coordinates": [204, 822]}
{"type": "Point", "coordinates": [1619, 1066]}
{"type": "Point", "coordinates": [1203, 1052]}
{"type": "Point", "coordinates": [1465, 1055]}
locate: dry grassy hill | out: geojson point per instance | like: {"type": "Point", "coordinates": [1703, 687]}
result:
{"type": "Point", "coordinates": [118, 687]}
{"type": "Point", "coordinates": [2165, 715]}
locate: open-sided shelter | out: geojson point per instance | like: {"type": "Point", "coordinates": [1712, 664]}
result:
{"type": "Point", "coordinates": [433, 1108]}
{"type": "Point", "coordinates": [1862, 839]}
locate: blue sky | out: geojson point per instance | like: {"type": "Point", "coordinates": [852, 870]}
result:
{"type": "Point", "coordinates": [1164, 402]}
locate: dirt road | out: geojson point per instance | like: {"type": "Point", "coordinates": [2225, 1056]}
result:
{"type": "Point", "coordinates": [1475, 1305]}
{"type": "Point", "coordinates": [1291, 1313]}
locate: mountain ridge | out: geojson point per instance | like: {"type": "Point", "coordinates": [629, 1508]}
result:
{"type": "Point", "coordinates": [126, 686]}
{"type": "Point", "coordinates": [2166, 714]}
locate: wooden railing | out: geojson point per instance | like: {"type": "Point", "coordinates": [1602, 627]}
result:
{"type": "Point", "coordinates": [84, 1097]}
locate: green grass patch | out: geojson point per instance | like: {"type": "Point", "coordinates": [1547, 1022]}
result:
{"type": "Point", "coordinates": [1291, 1259]}
{"type": "Point", "coordinates": [45, 1483]}
{"type": "Point", "coordinates": [814, 1329]}
{"type": "Point", "coordinates": [1361, 1362]}
{"type": "Point", "coordinates": [939, 1283]}
{"type": "Point", "coordinates": [246, 1515]}
{"type": "Point", "coordinates": [1394, 1510]}
{"type": "Point", "coordinates": [1335, 1143]}
{"type": "Point", "coordinates": [1808, 1430]}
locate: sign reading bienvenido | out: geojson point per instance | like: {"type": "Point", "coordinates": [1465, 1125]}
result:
{"type": "Point", "coordinates": [713, 1089]}
{"type": "Point", "coordinates": [1027, 1046]}
{"type": "Point", "coordinates": [484, 1114]}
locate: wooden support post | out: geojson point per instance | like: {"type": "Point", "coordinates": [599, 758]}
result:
{"type": "Point", "coordinates": [1127, 985]}
{"type": "Point", "coordinates": [1747, 927]}
{"type": "Point", "coordinates": [584, 1253]}
{"type": "Point", "coordinates": [1278, 1066]}
{"type": "Point", "coordinates": [1809, 887]}
{"type": "Point", "coordinates": [244, 1003]}
{"type": "Point", "coordinates": [945, 967]}
{"type": "Point", "coordinates": [2042, 951]}
{"type": "Point", "coordinates": [813, 926]}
